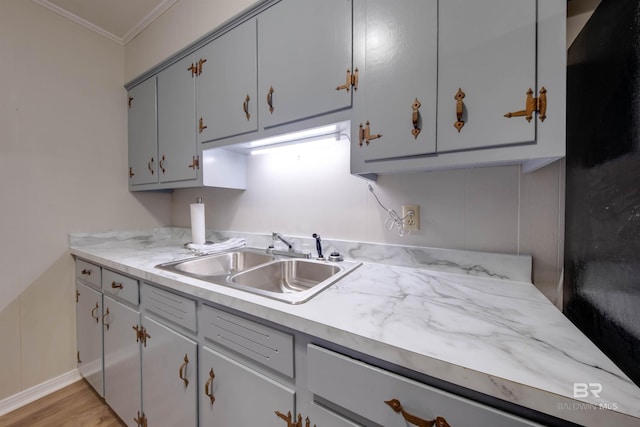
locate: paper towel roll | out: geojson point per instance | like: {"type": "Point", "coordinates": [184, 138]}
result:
{"type": "Point", "coordinates": [197, 223]}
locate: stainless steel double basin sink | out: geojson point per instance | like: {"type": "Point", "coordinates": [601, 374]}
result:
{"type": "Point", "coordinates": [292, 280]}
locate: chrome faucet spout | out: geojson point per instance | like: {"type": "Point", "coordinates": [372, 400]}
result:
{"type": "Point", "coordinates": [277, 236]}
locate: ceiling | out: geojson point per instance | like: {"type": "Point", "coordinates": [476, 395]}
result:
{"type": "Point", "coordinates": [118, 20]}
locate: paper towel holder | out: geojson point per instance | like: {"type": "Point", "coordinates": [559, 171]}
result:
{"type": "Point", "coordinates": [206, 242]}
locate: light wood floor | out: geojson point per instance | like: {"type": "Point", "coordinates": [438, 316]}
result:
{"type": "Point", "coordinates": [76, 405]}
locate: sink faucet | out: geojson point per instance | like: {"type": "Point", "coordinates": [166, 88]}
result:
{"type": "Point", "coordinates": [318, 245]}
{"type": "Point", "coordinates": [291, 252]}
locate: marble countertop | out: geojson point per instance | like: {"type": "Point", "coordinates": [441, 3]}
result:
{"type": "Point", "coordinates": [468, 318]}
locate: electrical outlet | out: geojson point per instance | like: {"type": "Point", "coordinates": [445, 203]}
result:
{"type": "Point", "coordinates": [412, 214]}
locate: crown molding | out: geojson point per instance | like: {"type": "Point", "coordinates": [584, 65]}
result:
{"type": "Point", "coordinates": [137, 29]}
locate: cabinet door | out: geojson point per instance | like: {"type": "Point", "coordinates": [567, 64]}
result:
{"type": "Point", "coordinates": [89, 335]}
{"type": "Point", "coordinates": [241, 396]}
{"type": "Point", "coordinates": [167, 399]}
{"type": "Point", "coordinates": [177, 122]}
{"type": "Point", "coordinates": [226, 89]}
{"type": "Point", "coordinates": [398, 78]}
{"type": "Point", "coordinates": [304, 51]}
{"type": "Point", "coordinates": [487, 50]}
{"type": "Point", "coordinates": [143, 134]}
{"type": "Point", "coordinates": [121, 360]}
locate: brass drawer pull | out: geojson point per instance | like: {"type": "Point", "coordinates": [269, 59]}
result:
{"type": "Point", "coordinates": [459, 109]}
{"type": "Point", "coordinates": [291, 421]}
{"type": "Point", "coordinates": [161, 164]}
{"type": "Point", "coordinates": [415, 118]}
{"type": "Point", "coordinates": [201, 125]}
{"type": "Point", "coordinates": [86, 272]}
{"type": "Point", "coordinates": [150, 166]}
{"type": "Point", "coordinates": [115, 285]}
{"type": "Point", "coordinates": [245, 107]}
{"type": "Point", "coordinates": [182, 376]}
{"type": "Point", "coordinates": [106, 316]}
{"type": "Point", "coordinates": [94, 312]}
{"type": "Point", "coordinates": [532, 105]}
{"type": "Point", "coordinates": [412, 419]}
{"type": "Point", "coordinates": [270, 99]}
{"type": "Point", "coordinates": [210, 383]}
{"type": "Point", "coordinates": [365, 134]}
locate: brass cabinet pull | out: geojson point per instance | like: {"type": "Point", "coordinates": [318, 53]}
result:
{"type": "Point", "coordinates": [195, 163]}
{"type": "Point", "coordinates": [201, 125]}
{"type": "Point", "coordinates": [532, 105]}
{"type": "Point", "coordinates": [86, 272]}
{"type": "Point", "coordinates": [415, 118]}
{"type": "Point", "coordinates": [149, 165]}
{"type": "Point", "coordinates": [351, 80]}
{"type": "Point", "coordinates": [291, 421]}
{"type": "Point", "coordinates": [130, 101]}
{"type": "Point", "coordinates": [412, 419]}
{"type": "Point", "coordinates": [208, 384]}
{"type": "Point", "coordinates": [365, 134]}
{"type": "Point", "coordinates": [77, 295]}
{"type": "Point", "coordinates": [115, 285]}
{"type": "Point", "coordinates": [270, 99]}
{"type": "Point", "coordinates": [138, 330]}
{"type": "Point", "coordinates": [144, 336]}
{"type": "Point", "coordinates": [182, 376]}
{"type": "Point", "coordinates": [141, 420]}
{"type": "Point", "coordinates": [94, 312]}
{"type": "Point", "coordinates": [194, 69]}
{"type": "Point", "coordinates": [459, 109]}
{"type": "Point", "coordinates": [105, 316]}
{"type": "Point", "coordinates": [131, 174]}
{"type": "Point", "coordinates": [161, 164]}
{"type": "Point", "coordinates": [78, 356]}
{"type": "Point", "coordinates": [245, 107]}
{"type": "Point", "coordinates": [200, 62]}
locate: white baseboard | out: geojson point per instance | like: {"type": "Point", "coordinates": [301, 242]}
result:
{"type": "Point", "coordinates": [34, 393]}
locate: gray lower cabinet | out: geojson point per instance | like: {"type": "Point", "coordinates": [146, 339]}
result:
{"type": "Point", "coordinates": [304, 55]}
{"type": "Point", "coordinates": [177, 147]}
{"type": "Point", "coordinates": [169, 376]}
{"type": "Point", "coordinates": [232, 394]}
{"type": "Point", "coordinates": [379, 397]}
{"type": "Point", "coordinates": [143, 134]}
{"type": "Point", "coordinates": [89, 335]}
{"type": "Point", "coordinates": [121, 360]}
{"type": "Point", "coordinates": [227, 84]}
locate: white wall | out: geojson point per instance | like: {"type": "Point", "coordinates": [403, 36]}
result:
{"type": "Point", "coordinates": [63, 168]}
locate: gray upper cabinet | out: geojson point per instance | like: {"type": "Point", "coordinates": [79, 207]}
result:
{"type": "Point", "coordinates": [491, 58]}
{"type": "Point", "coordinates": [226, 85]}
{"type": "Point", "coordinates": [304, 52]}
{"type": "Point", "coordinates": [397, 54]}
{"type": "Point", "coordinates": [143, 134]}
{"type": "Point", "coordinates": [177, 147]}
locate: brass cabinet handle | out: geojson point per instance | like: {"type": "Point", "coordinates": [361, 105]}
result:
{"type": "Point", "coordinates": [195, 163]}
{"type": "Point", "coordinates": [130, 101]}
{"type": "Point", "coordinates": [138, 330]}
{"type": "Point", "coordinates": [105, 316]}
{"type": "Point", "coordinates": [149, 165]}
{"type": "Point", "coordinates": [78, 357]}
{"type": "Point", "coordinates": [94, 312]}
{"type": "Point", "coordinates": [161, 164]}
{"type": "Point", "coordinates": [365, 134]}
{"type": "Point", "coordinates": [270, 99]}
{"type": "Point", "coordinates": [291, 421]}
{"type": "Point", "coordinates": [182, 376]}
{"type": "Point", "coordinates": [131, 174]}
{"type": "Point", "coordinates": [86, 272]}
{"type": "Point", "coordinates": [412, 419]}
{"type": "Point", "coordinates": [200, 62]}
{"type": "Point", "coordinates": [415, 118]}
{"type": "Point", "coordinates": [459, 109]}
{"type": "Point", "coordinates": [194, 69]}
{"type": "Point", "coordinates": [141, 420]}
{"type": "Point", "coordinates": [532, 105]}
{"type": "Point", "coordinates": [245, 107]}
{"type": "Point", "coordinates": [115, 285]}
{"type": "Point", "coordinates": [201, 125]}
{"type": "Point", "coordinates": [210, 383]}
{"type": "Point", "coordinates": [351, 80]}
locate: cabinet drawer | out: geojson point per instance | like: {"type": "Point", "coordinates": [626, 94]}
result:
{"type": "Point", "coordinates": [263, 344]}
{"type": "Point", "coordinates": [169, 306]}
{"type": "Point", "coordinates": [121, 286]}
{"type": "Point", "coordinates": [364, 389]}
{"type": "Point", "coordinates": [87, 272]}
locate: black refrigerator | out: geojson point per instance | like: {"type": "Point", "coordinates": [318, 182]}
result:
{"type": "Point", "coordinates": [602, 233]}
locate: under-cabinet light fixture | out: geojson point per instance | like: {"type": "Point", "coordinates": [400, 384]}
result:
{"type": "Point", "coordinates": [296, 136]}
{"type": "Point", "coordinates": [282, 148]}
